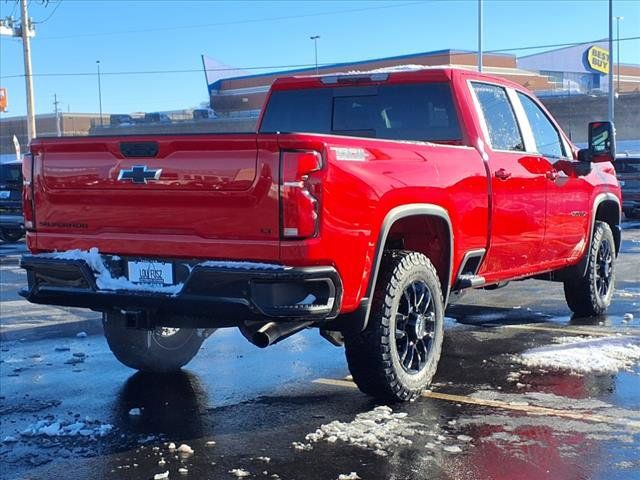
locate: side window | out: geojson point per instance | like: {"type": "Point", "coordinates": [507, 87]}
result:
{"type": "Point", "coordinates": [504, 133]}
{"type": "Point", "coordinates": [547, 138]}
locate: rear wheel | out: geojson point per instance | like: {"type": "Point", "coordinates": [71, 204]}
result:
{"type": "Point", "coordinates": [591, 294]}
{"type": "Point", "coordinates": [162, 349]}
{"type": "Point", "coordinates": [396, 356]}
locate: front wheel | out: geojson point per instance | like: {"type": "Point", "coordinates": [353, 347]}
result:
{"type": "Point", "coordinates": [591, 294]}
{"type": "Point", "coordinates": [396, 356]}
{"type": "Point", "coordinates": [162, 349]}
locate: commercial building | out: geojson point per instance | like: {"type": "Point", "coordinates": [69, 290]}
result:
{"type": "Point", "coordinates": [47, 125]}
{"type": "Point", "coordinates": [563, 71]}
{"type": "Point", "coordinates": [581, 69]}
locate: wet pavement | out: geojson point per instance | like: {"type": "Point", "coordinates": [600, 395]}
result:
{"type": "Point", "coordinates": [242, 410]}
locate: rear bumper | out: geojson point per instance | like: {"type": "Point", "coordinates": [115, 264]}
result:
{"type": "Point", "coordinates": [211, 295]}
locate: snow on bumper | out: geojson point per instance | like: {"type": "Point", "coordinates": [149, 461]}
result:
{"type": "Point", "coordinates": [221, 293]}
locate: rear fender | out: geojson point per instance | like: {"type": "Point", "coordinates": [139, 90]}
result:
{"type": "Point", "coordinates": [396, 215]}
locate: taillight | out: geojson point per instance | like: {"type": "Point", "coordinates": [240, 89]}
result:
{"type": "Point", "coordinates": [300, 194]}
{"type": "Point", "coordinates": [28, 209]}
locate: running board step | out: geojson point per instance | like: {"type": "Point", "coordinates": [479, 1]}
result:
{"type": "Point", "coordinates": [469, 281]}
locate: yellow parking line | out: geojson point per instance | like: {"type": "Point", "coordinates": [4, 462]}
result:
{"type": "Point", "coordinates": [527, 409]}
{"type": "Point", "coordinates": [559, 329]}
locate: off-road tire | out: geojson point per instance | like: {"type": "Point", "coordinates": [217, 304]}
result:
{"type": "Point", "coordinates": [373, 354]}
{"type": "Point", "coordinates": [151, 350]}
{"type": "Point", "coordinates": [583, 295]}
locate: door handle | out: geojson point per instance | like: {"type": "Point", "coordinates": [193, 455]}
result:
{"type": "Point", "coordinates": [552, 175]}
{"type": "Point", "coordinates": [502, 174]}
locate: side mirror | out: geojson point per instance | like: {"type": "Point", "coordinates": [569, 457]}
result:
{"type": "Point", "coordinates": [602, 143]}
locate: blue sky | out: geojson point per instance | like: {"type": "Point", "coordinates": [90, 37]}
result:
{"type": "Point", "coordinates": [154, 35]}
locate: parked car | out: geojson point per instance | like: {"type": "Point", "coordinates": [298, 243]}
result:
{"type": "Point", "coordinates": [121, 120]}
{"type": "Point", "coordinates": [156, 117]}
{"type": "Point", "coordinates": [363, 202]}
{"type": "Point", "coordinates": [11, 220]}
{"type": "Point", "coordinates": [628, 170]}
{"type": "Point", "coordinates": [203, 113]}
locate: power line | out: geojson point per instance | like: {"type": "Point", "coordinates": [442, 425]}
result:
{"type": "Point", "coordinates": [51, 14]}
{"type": "Point", "coordinates": [149, 72]}
{"type": "Point", "coordinates": [557, 45]}
{"type": "Point", "coordinates": [234, 22]}
{"type": "Point", "coordinates": [278, 67]}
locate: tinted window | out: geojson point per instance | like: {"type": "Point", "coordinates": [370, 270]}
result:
{"type": "Point", "coordinates": [504, 133]}
{"type": "Point", "coordinates": [547, 138]}
{"type": "Point", "coordinates": [11, 173]}
{"type": "Point", "coordinates": [402, 112]}
{"type": "Point", "coordinates": [298, 111]}
{"type": "Point", "coordinates": [628, 165]}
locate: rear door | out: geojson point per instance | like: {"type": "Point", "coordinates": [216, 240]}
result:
{"type": "Point", "coordinates": [517, 185]}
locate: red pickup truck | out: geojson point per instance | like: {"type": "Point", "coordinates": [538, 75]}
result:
{"type": "Point", "coordinates": [359, 206]}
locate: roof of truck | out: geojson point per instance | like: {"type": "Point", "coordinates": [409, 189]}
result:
{"type": "Point", "coordinates": [398, 73]}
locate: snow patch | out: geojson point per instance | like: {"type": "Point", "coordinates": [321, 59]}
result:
{"type": "Point", "coordinates": [580, 355]}
{"type": "Point", "coordinates": [239, 472]}
{"type": "Point", "coordinates": [104, 280]}
{"type": "Point", "coordinates": [161, 476]}
{"type": "Point", "coordinates": [379, 429]}
{"type": "Point", "coordinates": [452, 449]}
{"type": "Point", "coordinates": [350, 476]}
{"type": "Point", "coordinates": [65, 429]}
{"type": "Point", "coordinates": [185, 449]}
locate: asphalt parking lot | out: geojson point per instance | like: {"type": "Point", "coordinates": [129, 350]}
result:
{"type": "Point", "coordinates": [523, 391]}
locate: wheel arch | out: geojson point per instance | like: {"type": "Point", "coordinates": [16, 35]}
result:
{"type": "Point", "coordinates": [427, 214]}
{"type": "Point", "coordinates": [606, 208]}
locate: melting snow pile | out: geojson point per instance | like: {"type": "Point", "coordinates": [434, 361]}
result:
{"type": "Point", "coordinates": [379, 429]}
{"type": "Point", "coordinates": [65, 429]}
{"type": "Point", "coordinates": [580, 355]}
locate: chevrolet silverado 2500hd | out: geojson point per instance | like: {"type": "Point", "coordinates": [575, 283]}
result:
{"type": "Point", "coordinates": [359, 206]}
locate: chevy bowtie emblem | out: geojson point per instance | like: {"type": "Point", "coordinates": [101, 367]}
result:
{"type": "Point", "coordinates": [139, 174]}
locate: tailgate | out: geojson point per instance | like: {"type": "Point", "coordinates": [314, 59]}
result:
{"type": "Point", "coordinates": [182, 196]}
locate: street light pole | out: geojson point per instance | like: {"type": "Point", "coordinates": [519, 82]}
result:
{"type": "Point", "coordinates": [611, 85]}
{"type": "Point", "coordinates": [618, 48]}
{"type": "Point", "coordinates": [99, 92]}
{"type": "Point", "coordinates": [315, 47]}
{"type": "Point", "coordinates": [480, 35]}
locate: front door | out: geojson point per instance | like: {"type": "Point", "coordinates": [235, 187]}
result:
{"type": "Point", "coordinates": [567, 191]}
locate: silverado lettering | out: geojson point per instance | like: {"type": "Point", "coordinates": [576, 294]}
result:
{"type": "Point", "coordinates": [361, 206]}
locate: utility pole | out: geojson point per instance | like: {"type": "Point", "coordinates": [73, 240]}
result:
{"type": "Point", "coordinates": [618, 48]}
{"type": "Point", "coordinates": [315, 45]}
{"type": "Point", "coordinates": [611, 85]}
{"type": "Point", "coordinates": [480, 35]}
{"type": "Point", "coordinates": [25, 27]}
{"type": "Point", "coordinates": [57, 112]}
{"type": "Point", "coordinates": [99, 92]}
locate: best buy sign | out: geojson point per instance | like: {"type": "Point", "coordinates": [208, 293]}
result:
{"type": "Point", "coordinates": [598, 59]}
